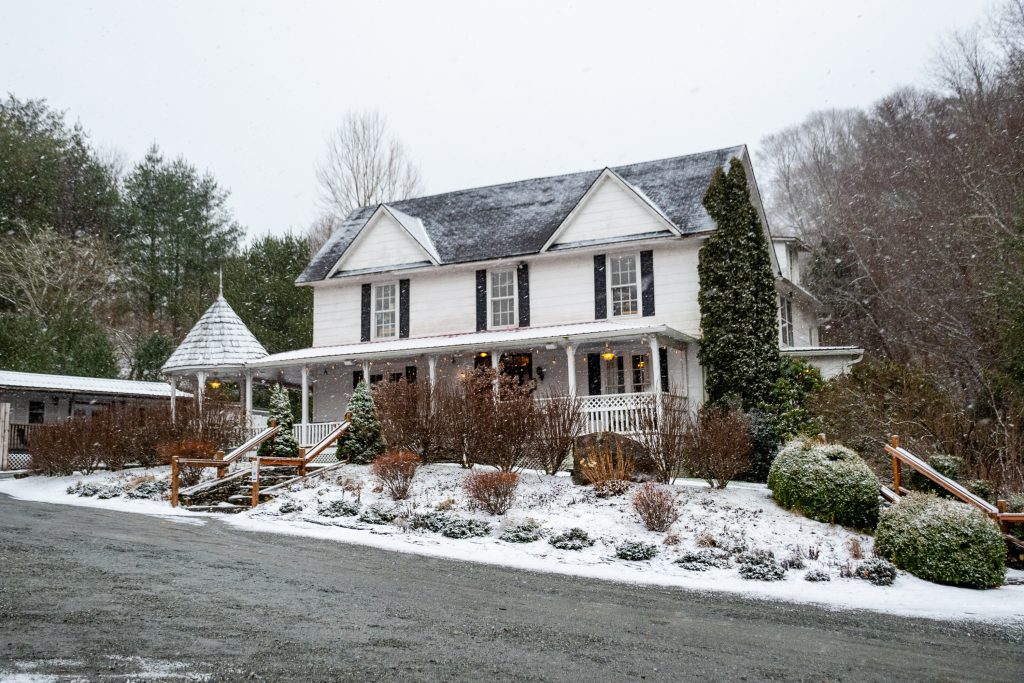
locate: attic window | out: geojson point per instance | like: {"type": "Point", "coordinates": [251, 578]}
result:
{"type": "Point", "coordinates": [385, 311]}
{"type": "Point", "coordinates": [501, 298]}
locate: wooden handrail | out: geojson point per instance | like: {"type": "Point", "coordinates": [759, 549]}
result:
{"type": "Point", "coordinates": [997, 512]}
{"type": "Point", "coordinates": [221, 462]}
{"type": "Point", "coordinates": [305, 457]}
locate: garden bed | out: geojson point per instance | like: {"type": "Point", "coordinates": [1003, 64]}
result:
{"type": "Point", "coordinates": [713, 544]}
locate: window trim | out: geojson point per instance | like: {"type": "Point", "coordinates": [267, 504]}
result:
{"type": "Point", "coordinates": [514, 272]}
{"type": "Point", "coordinates": [638, 284]}
{"type": "Point", "coordinates": [787, 333]}
{"type": "Point", "coordinates": [373, 310]}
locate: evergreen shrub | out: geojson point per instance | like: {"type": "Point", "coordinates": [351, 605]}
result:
{"type": "Point", "coordinates": [826, 482]}
{"type": "Point", "coordinates": [942, 540]}
{"type": "Point", "coordinates": [636, 551]}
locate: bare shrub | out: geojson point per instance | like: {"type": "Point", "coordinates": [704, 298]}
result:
{"type": "Point", "coordinates": [407, 417]}
{"type": "Point", "coordinates": [493, 492]}
{"type": "Point", "coordinates": [718, 445]}
{"type": "Point", "coordinates": [605, 462]}
{"type": "Point", "coordinates": [489, 418]}
{"type": "Point", "coordinates": [706, 540]}
{"type": "Point", "coordinates": [395, 471]}
{"type": "Point", "coordinates": [856, 551]}
{"type": "Point", "coordinates": [559, 422]}
{"type": "Point", "coordinates": [656, 507]}
{"type": "Point", "coordinates": [663, 426]}
{"type": "Point", "coordinates": [612, 487]}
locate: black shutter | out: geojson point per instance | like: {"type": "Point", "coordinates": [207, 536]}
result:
{"type": "Point", "coordinates": [410, 374]}
{"type": "Point", "coordinates": [647, 281]}
{"type": "Point", "coordinates": [403, 308]}
{"type": "Point", "coordinates": [594, 374]}
{"type": "Point", "coordinates": [600, 289]}
{"type": "Point", "coordinates": [364, 328]}
{"type": "Point", "coordinates": [523, 276]}
{"type": "Point", "coordinates": [663, 362]}
{"type": "Point", "coordinates": [357, 377]}
{"type": "Point", "coordinates": [481, 300]}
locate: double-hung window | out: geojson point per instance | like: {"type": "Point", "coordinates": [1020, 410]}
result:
{"type": "Point", "coordinates": [624, 284]}
{"type": "Point", "coordinates": [501, 299]}
{"type": "Point", "coordinates": [385, 310]}
{"type": "Point", "coordinates": [785, 321]}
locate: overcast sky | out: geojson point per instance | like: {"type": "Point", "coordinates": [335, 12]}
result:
{"type": "Point", "coordinates": [480, 92]}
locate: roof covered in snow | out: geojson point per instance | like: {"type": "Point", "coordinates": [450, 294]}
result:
{"type": "Point", "coordinates": [32, 381]}
{"type": "Point", "coordinates": [218, 340]}
{"type": "Point", "coordinates": [491, 339]}
{"type": "Point", "coordinates": [516, 219]}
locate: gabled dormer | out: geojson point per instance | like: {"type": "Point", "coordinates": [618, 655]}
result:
{"type": "Point", "coordinates": [389, 240]}
{"type": "Point", "coordinates": [611, 210]}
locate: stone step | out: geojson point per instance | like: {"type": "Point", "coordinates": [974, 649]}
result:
{"type": "Point", "coordinates": [225, 508]}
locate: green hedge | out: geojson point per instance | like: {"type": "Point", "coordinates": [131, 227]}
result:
{"type": "Point", "coordinates": [826, 482]}
{"type": "Point", "coordinates": [942, 540]}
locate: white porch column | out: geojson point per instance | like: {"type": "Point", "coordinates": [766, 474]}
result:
{"type": "Point", "coordinates": [366, 372]}
{"type": "Point", "coordinates": [248, 397]}
{"type": "Point", "coordinates": [174, 392]}
{"type": "Point", "coordinates": [655, 364]}
{"type": "Point", "coordinates": [495, 358]}
{"type": "Point", "coordinates": [432, 369]}
{"type": "Point", "coordinates": [200, 389]}
{"type": "Point", "coordinates": [570, 366]}
{"type": "Point", "coordinates": [305, 398]}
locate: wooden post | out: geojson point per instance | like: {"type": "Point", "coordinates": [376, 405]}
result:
{"type": "Point", "coordinates": [221, 471]}
{"type": "Point", "coordinates": [895, 440]}
{"type": "Point", "coordinates": [255, 482]}
{"type": "Point", "coordinates": [1001, 506]}
{"type": "Point", "coordinates": [5, 434]}
{"type": "Point", "coordinates": [821, 439]}
{"type": "Point", "coordinates": [302, 464]}
{"type": "Point", "coordinates": [174, 482]}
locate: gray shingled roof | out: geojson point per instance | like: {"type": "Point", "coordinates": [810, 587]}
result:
{"type": "Point", "coordinates": [219, 339]}
{"type": "Point", "coordinates": [516, 219]}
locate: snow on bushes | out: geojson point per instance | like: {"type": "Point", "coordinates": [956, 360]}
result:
{"type": "Point", "coordinates": [493, 492]}
{"type": "Point", "coordinates": [527, 531]}
{"type": "Point", "coordinates": [656, 507]}
{"type": "Point", "coordinates": [395, 470]}
{"type": "Point", "coordinates": [876, 570]}
{"type": "Point", "coordinates": [636, 551]}
{"type": "Point", "coordinates": [338, 508]}
{"type": "Point", "coordinates": [826, 482]}
{"type": "Point", "coordinates": [817, 576]}
{"type": "Point", "coordinates": [942, 540]}
{"type": "Point", "coordinates": [573, 539]}
{"type": "Point", "coordinates": [703, 560]}
{"type": "Point", "coordinates": [760, 565]}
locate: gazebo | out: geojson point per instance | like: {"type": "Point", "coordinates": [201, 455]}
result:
{"type": "Point", "coordinates": [216, 348]}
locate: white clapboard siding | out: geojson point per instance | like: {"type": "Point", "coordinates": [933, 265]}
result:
{"type": "Point", "coordinates": [611, 210]}
{"type": "Point", "coordinates": [383, 242]}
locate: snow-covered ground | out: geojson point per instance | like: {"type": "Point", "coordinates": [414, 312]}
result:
{"type": "Point", "coordinates": [742, 516]}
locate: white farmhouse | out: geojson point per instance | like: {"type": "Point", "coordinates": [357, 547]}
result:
{"type": "Point", "coordinates": [586, 283]}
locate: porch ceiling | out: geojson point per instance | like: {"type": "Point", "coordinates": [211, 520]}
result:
{"type": "Point", "coordinates": [496, 339]}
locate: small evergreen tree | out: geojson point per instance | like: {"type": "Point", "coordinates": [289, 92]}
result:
{"type": "Point", "coordinates": [363, 442]}
{"type": "Point", "coordinates": [284, 444]}
{"type": "Point", "coordinates": [738, 302]}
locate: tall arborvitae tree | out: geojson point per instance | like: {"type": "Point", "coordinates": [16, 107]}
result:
{"type": "Point", "coordinates": [738, 302]}
{"type": "Point", "coordinates": [363, 442]}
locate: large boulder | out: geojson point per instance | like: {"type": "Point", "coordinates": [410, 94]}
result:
{"type": "Point", "coordinates": [595, 442]}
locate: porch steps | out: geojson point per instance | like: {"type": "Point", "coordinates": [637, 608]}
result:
{"type": "Point", "coordinates": [235, 493]}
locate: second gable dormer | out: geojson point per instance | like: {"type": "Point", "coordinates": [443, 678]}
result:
{"type": "Point", "coordinates": [610, 210]}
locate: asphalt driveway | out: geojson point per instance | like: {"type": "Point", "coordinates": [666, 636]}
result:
{"type": "Point", "coordinates": [92, 594]}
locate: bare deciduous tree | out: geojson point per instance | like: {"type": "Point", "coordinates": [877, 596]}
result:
{"type": "Point", "coordinates": [364, 165]}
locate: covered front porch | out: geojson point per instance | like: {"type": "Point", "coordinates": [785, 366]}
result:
{"type": "Point", "coordinates": [616, 369]}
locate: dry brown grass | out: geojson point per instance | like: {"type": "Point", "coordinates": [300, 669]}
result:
{"type": "Point", "coordinates": [606, 462]}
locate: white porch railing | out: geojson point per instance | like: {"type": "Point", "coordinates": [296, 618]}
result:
{"type": "Point", "coordinates": [306, 434]}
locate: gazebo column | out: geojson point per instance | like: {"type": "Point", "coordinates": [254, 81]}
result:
{"type": "Point", "coordinates": [570, 367]}
{"type": "Point", "coordinates": [248, 398]}
{"type": "Point", "coordinates": [200, 389]}
{"type": "Point", "coordinates": [174, 391]}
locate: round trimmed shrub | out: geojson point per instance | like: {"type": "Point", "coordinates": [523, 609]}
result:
{"type": "Point", "coordinates": [826, 482]}
{"type": "Point", "coordinates": [636, 551]}
{"type": "Point", "coordinates": [573, 539]}
{"type": "Point", "coordinates": [942, 540]}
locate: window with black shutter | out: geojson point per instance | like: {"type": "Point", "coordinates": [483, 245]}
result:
{"type": "Point", "coordinates": [410, 374]}
{"type": "Point", "coordinates": [647, 282]}
{"type": "Point", "coordinates": [364, 326]}
{"type": "Point", "coordinates": [481, 300]}
{"type": "Point", "coordinates": [663, 360]}
{"type": "Point", "coordinates": [523, 292]}
{"type": "Point", "coordinates": [594, 374]}
{"type": "Point", "coordinates": [600, 289]}
{"type": "Point", "coordinates": [403, 309]}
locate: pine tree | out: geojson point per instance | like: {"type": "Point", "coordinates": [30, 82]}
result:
{"type": "Point", "coordinates": [363, 442]}
{"type": "Point", "coordinates": [738, 302]}
{"type": "Point", "coordinates": [284, 444]}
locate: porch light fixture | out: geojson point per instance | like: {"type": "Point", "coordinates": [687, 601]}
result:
{"type": "Point", "coordinates": [483, 354]}
{"type": "Point", "coordinates": [215, 384]}
{"type": "Point", "coordinates": [608, 354]}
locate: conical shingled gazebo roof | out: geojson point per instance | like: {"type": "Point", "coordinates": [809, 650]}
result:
{"type": "Point", "coordinates": [218, 341]}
